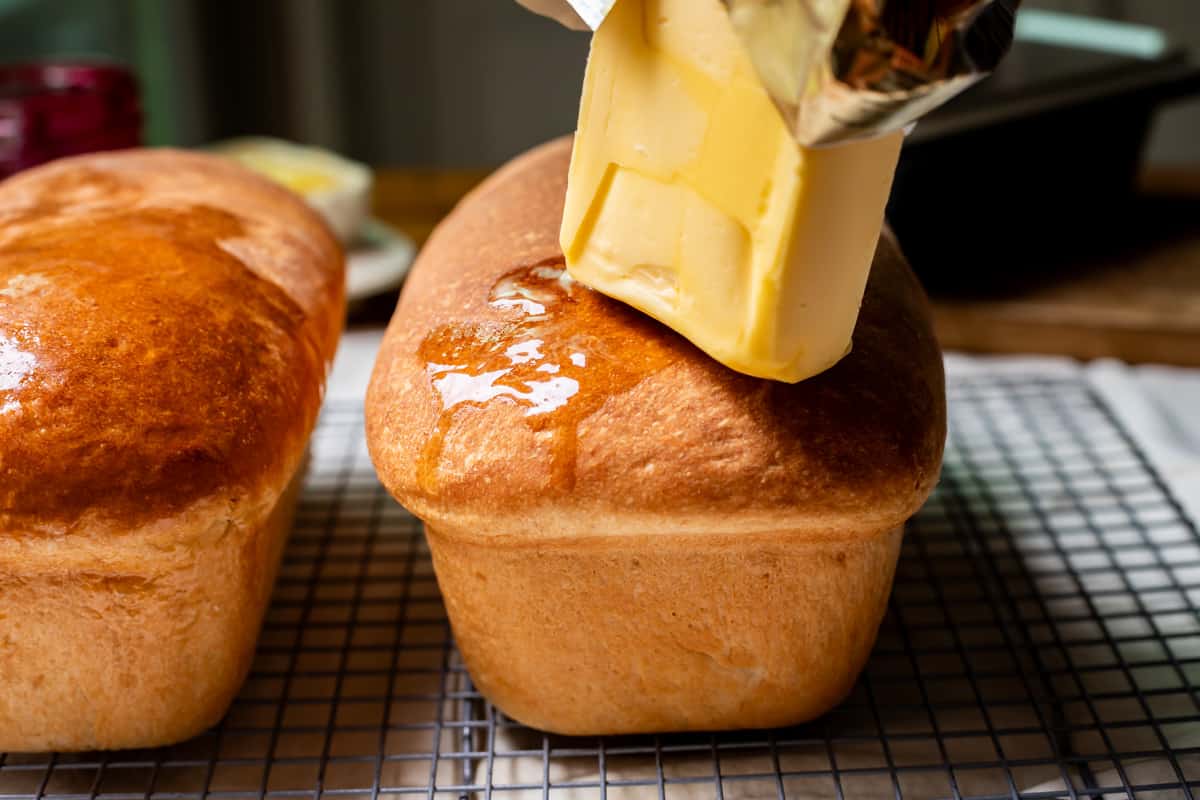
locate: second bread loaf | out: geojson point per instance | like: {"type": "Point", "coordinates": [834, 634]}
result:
{"type": "Point", "coordinates": [166, 323]}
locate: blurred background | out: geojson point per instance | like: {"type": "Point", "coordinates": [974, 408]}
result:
{"type": "Point", "coordinates": [1054, 208]}
{"type": "Point", "coordinates": [407, 82]}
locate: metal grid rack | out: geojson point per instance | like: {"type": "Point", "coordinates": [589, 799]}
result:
{"type": "Point", "coordinates": [1043, 641]}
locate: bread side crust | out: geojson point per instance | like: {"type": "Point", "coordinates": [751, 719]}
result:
{"type": "Point", "coordinates": [142, 639]}
{"type": "Point", "coordinates": [665, 632]}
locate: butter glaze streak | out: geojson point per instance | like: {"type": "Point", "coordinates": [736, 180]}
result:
{"type": "Point", "coordinates": [535, 356]}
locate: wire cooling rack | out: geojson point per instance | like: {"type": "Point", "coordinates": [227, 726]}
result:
{"type": "Point", "coordinates": [1043, 641]}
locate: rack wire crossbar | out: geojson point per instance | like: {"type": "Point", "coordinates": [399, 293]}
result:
{"type": "Point", "coordinates": [1042, 641]}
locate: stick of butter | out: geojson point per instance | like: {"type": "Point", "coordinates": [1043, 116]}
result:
{"type": "Point", "coordinates": [689, 198]}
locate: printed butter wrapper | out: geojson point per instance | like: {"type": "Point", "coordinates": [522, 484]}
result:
{"type": "Point", "coordinates": [841, 70]}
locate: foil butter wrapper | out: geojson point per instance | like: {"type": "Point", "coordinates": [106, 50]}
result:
{"type": "Point", "coordinates": [841, 70]}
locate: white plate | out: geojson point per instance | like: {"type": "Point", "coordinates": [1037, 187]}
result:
{"type": "Point", "coordinates": [345, 199]}
{"type": "Point", "coordinates": [377, 261]}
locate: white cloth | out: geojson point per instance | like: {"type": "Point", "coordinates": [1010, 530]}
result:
{"type": "Point", "coordinates": [1159, 407]}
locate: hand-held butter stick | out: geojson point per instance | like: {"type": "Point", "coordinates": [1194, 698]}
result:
{"type": "Point", "coordinates": [689, 198]}
{"type": "Point", "coordinates": [629, 536]}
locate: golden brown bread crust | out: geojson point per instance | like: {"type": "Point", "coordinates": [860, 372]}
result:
{"type": "Point", "coordinates": [628, 536]}
{"type": "Point", "coordinates": [667, 432]}
{"type": "Point", "coordinates": [166, 323]}
{"type": "Point", "coordinates": [166, 320]}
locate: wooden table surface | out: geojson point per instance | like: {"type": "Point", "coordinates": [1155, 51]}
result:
{"type": "Point", "coordinates": [1141, 304]}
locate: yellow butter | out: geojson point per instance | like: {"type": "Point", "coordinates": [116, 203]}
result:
{"type": "Point", "coordinates": [300, 178]}
{"type": "Point", "coordinates": [689, 199]}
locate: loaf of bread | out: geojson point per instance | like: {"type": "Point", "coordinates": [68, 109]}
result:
{"type": "Point", "coordinates": [166, 324]}
{"type": "Point", "coordinates": [628, 536]}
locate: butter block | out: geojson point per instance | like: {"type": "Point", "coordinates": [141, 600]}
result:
{"type": "Point", "coordinates": [689, 199]}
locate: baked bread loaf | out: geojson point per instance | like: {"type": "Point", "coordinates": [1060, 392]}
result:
{"type": "Point", "coordinates": [630, 537]}
{"type": "Point", "coordinates": [166, 324]}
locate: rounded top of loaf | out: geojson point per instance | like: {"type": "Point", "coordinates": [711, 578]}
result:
{"type": "Point", "coordinates": [508, 399]}
{"type": "Point", "coordinates": [166, 323]}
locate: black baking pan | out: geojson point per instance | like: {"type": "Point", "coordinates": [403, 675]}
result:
{"type": "Point", "coordinates": [1032, 168]}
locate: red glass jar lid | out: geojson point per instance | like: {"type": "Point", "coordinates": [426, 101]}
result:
{"type": "Point", "coordinates": [49, 110]}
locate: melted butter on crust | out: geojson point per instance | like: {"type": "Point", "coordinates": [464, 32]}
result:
{"type": "Point", "coordinates": [140, 359]}
{"type": "Point", "coordinates": [528, 355]}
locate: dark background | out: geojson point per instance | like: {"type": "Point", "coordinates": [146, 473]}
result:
{"type": "Point", "coordinates": [449, 83]}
